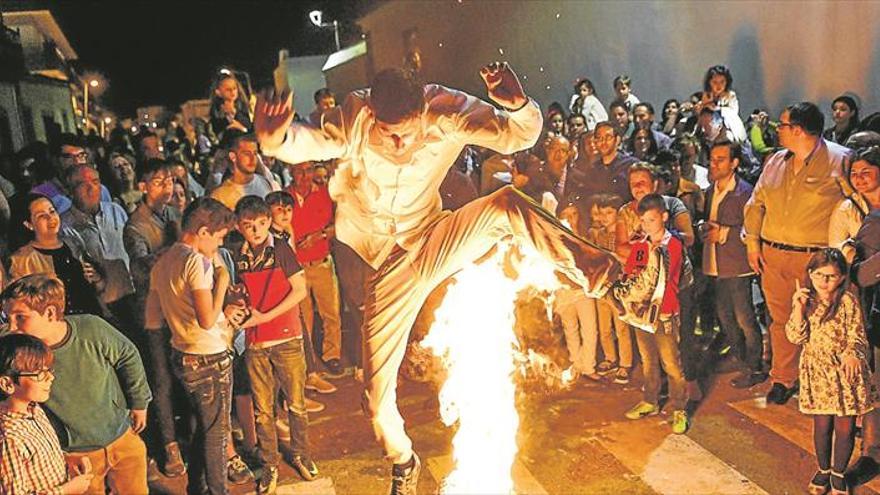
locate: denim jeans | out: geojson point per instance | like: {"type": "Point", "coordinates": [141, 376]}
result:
{"type": "Point", "coordinates": [610, 325]}
{"type": "Point", "coordinates": [661, 349]}
{"type": "Point", "coordinates": [688, 345]}
{"type": "Point", "coordinates": [161, 418]}
{"type": "Point", "coordinates": [280, 367]}
{"type": "Point", "coordinates": [207, 379]}
{"type": "Point", "coordinates": [739, 324]}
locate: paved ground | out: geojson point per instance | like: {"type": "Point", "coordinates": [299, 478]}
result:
{"type": "Point", "coordinates": [576, 441]}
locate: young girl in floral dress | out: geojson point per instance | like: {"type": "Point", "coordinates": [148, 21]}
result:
{"type": "Point", "coordinates": [835, 382]}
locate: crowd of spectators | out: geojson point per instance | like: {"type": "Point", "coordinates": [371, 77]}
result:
{"type": "Point", "coordinates": [184, 263]}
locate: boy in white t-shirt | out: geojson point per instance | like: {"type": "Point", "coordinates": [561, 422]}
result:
{"type": "Point", "coordinates": [187, 289]}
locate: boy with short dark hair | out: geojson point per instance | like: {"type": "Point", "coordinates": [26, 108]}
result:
{"type": "Point", "coordinates": [188, 286]}
{"type": "Point", "coordinates": [100, 393]}
{"type": "Point", "coordinates": [661, 251]}
{"type": "Point", "coordinates": [618, 355]}
{"type": "Point", "coordinates": [153, 227]}
{"type": "Point", "coordinates": [281, 204]}
{"type": "Point", "coordinates": [275, 357]}
{"type": "Point", "coordinates": [31, 460]}
{"type": "Point", "coordinates": [623, 92]}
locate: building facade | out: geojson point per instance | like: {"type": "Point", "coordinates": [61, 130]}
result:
{"type": "Point", "coordinates": [37, 83]}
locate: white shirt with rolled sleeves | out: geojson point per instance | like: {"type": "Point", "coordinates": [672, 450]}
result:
{"type": "Point", "coordinates": [382, 202]}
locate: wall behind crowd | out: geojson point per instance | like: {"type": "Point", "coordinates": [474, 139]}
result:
{"type": "Point", "coordinates": [779, 51]}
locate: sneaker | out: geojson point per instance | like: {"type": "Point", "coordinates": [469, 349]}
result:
{"type": "Point", "coordinates": [405, 479]}
{"type": "Point", "coordinates": [359, 375]}
{"type": "Point", "coordinates": [679, 422]}
{"type": "Point", "coordinates": [318, 384]}
{"type": "Point", "coordinates": [237, 472]}
{"type": "Point", "coordinates": [641, 410]}
{"type": "Point", "coordinates": [779, 393]}
{"type": "Point", "coordinates": [748, 380]}
{"type": "Point", "coordinates": [334, 368]}
{"type": "Point", "coordinates": [622, 376]}
{"type": "Point", "coordinates": [313, 406]}
{"type": "Point", "coordinates": [305, 466]}
{"type": "Point", "coordinates": [606, 368]}
{"type": "Point", "coordinates": [268, 481]}
{"type": "Point", "coordinates": [174, 465]}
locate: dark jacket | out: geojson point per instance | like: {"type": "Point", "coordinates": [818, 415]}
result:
{"type": "Point", "coordinates": [866, 272]}
{"type": "Point", "coordinates": [731, 256]}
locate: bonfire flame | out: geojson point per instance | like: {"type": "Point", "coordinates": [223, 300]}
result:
{"type": "Point", "coordinates": [473, 334]}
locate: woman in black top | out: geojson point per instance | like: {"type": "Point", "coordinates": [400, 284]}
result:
{"type": "Point", "coordinates": [845, 114]}
{"type": "Point", "coordinates": [45, 253]}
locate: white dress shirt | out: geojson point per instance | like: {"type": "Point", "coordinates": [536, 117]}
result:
{"type": "Point", "coordinates": [383, 201]}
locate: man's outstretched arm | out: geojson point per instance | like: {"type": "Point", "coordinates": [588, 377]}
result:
{"type": "Point", "coordinates": [516, 127]}
{"type": "Point", "coordinates": [291, 142]}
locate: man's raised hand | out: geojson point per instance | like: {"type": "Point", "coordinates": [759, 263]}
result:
{"type": "Point", "coordinates": [272, 116]}
{"type": "Point", "coordinates": [503, 85]}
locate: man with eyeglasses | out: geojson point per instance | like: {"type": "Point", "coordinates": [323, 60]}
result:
{"type": "Point", "coordinates": [68, 152]}
{"type": "Point", "coordinates": [245, 181]}
{"type": "Point", "coordinates": [609, 174]}
{"type": "Point", "coordinates": [786, 220]}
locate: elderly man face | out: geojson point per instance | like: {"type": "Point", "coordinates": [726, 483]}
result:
{"type": "Point", "coordinates": [85, 183]}
{"type": "Point", "coordinates": [558, 151]}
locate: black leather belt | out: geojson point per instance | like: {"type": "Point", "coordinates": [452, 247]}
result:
{"type": "Point", "coordinates": [787, 247]}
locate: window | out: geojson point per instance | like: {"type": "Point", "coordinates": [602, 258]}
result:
{"type": "Point", "coordinates": [5, 132]}
{"type": "Point", "coordinates": [27, 124]}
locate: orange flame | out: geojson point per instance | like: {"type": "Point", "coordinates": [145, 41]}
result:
{"type": "Point", "coordinates": [473, 335]}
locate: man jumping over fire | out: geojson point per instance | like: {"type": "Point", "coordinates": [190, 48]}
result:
{"type": "Point", "coordinates": [394, 144]}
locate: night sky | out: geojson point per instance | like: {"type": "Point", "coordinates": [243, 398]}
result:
{"type": "Point", "coordinates": [166, 52]}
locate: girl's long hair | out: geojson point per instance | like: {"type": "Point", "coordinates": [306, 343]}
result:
{"type": "Point", "coordinates": [827, 257]}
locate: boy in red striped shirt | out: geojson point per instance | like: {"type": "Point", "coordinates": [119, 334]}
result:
{"type": "Point", "coordinates": [274, 358]}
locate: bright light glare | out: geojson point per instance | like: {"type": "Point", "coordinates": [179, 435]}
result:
{"type": "Point", "coordinates": [316, 16]}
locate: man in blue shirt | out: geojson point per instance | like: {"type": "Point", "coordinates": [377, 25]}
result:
{"type": "Point", "coordinates": [94, 230]}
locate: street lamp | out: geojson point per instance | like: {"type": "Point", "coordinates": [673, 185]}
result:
{"type": "Point", "coordinates": [93, 83]}
{"type": "Point", "coordinates": [316, 16]}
